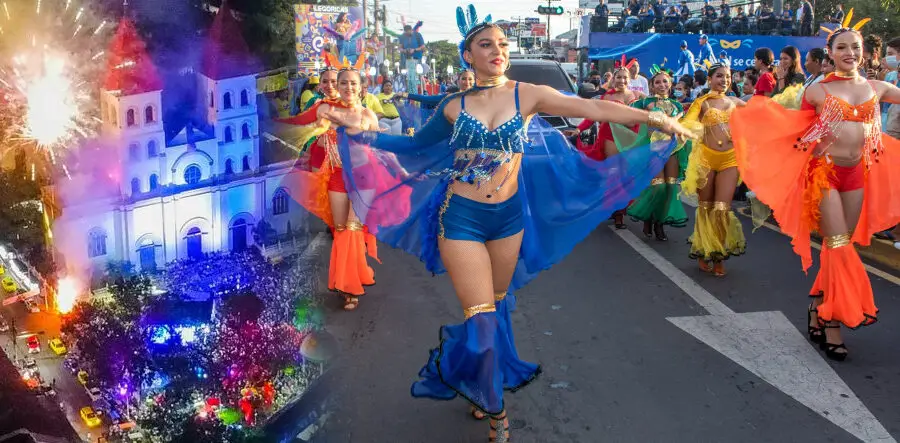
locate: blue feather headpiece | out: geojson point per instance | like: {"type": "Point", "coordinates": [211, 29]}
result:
{"type": "Point", "coordinates": [468, 24]}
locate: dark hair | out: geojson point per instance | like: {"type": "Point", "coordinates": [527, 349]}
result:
{"type": "Point", "coordinates": [894, 43]}
{"type": "Point", "coordinates": [387, 82]}
{"type": "Point", "coordinates": [715, 67]}
{"type": "Point", "coordinates": [873, 43]}
{"type": "Point", "coordinates": [688, 81]}
{"type": "Point", "coordinates": [593, 73]}
{"type": "Point", "coordinates": [818, 54]}
{"type": "Point", "coordinates": [765, 55]}
{"type": "Point", "coordinates": [700, 77]}
{"type": "Point", "coordinates": [751, 77]}
{"type": "Point", "coordinates": [794, 54]}
{"type": "Point", "coordinates": [467, 42]}
{"type": "Point", "coordinates": [830, 42]}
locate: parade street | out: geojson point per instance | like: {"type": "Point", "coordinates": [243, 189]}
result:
{"type": "Point", "coordinates": [636, 346]}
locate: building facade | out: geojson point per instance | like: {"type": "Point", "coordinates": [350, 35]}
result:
{"type": "Point", "coordinates": [179, 196]}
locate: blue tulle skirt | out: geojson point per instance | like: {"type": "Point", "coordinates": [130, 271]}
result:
{"type": "Point", "coordinates": [476, 360]}
{"type": "Point", "coordinates": [565, 195]}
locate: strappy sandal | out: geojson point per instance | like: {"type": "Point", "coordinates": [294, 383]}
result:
{"type": "Point", "coordinates": [500, 427]}
{"type": "Point", "coordinates": [719, 269]}
{"type": "Point", "coordinates": [350, 302]}
{"type": "Point", "coordinates": [704, 265]}
{"type": "Point", "coordinates": [831, 349]}
{"type": "Point", "coordinates": [816, 333]}
{"type": "Point", "coordinates": [660, 232]}
{"type": "Point", "coordinates": [477, 414]}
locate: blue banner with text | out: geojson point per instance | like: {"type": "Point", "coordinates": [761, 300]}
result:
{"type": "Point", "coordinates": [654, 48]}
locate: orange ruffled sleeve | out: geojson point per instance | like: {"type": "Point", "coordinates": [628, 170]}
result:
{"type": "Point", "coordinates": [881, 202]}
{"type": "Point", "coordinates": [764, 134]}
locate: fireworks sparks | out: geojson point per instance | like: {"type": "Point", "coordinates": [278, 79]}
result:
{"type": "Point", "coordinates": [66, 295]}
{"type": "Point", "coordinates": [49, 61]}
{"type": "Point", "coordinates": [52, 109]}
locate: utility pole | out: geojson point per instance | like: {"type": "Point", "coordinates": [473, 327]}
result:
{"type": "Point", "coordinates": [376, 9]}
{"type": "Point", "coordinates": [365, 17]}
{"type": "Point", "coordinates": [518, 32]}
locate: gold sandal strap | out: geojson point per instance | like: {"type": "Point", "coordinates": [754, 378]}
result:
{"type": "Point", "coordinates": [499, 296]}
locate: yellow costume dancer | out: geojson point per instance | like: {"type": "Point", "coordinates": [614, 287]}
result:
{"type": "Point", "coordinates": [718, 234]}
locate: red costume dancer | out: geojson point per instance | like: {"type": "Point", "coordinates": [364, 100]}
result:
{"type": "Point", "coordinates": [605, 146]}
{"type": "Point", "coordinates": [827, 168]}
{"type": "Point", "coordinates": [324, 194]}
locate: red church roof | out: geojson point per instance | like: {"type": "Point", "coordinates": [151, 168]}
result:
{"type": "Point", "coordinates": [129, 69]}
{"type": "Point", "coordinates": [226, 54]}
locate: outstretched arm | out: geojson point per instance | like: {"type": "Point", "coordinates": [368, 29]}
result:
{"type": "Point", "coordinates": [548, 100]}
{"type": "Point", "coordinates": [306, 117]}
{"type": "Point", "coordinates": [888, 92]}
{"type": "Point", "coordinates": [437, 129]}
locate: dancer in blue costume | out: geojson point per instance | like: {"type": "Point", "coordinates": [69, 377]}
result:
{"type": "Point", "coordinates": [494, 203]}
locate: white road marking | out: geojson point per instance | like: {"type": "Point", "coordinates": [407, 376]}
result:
{"type": "Point", "coordinates": [870, 269]}
{"type": "Point", "coordinates": [768, 345]}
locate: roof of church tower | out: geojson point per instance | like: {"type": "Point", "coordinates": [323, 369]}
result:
{"type": "Point", "coordinates": [129, 69]}
{"type": "Point", "coordinates": [226, 54]}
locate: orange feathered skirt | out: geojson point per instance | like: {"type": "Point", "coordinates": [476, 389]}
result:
{"type": "Point", "coordinates": [792, 183]}
{"type": "Point", "coordinates": [348, 271]}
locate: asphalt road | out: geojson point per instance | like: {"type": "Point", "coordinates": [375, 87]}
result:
{"type": "Point", "coordinates": [610, 327]}
{"type": "Point", "coordinates": [70, 393]}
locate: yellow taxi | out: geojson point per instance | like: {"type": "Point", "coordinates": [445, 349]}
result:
{"type": "Point", "coordinates": [57, 346]}
{"type": "Point", "coordinates": [8, 284]}
{"type": "Point", "coordinates": [82, 377]}
{"type": "Point", "coordinates": [89, 417]}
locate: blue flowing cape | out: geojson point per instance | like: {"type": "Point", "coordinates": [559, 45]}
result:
{"type": "Point", "coordinates": [565, 195]}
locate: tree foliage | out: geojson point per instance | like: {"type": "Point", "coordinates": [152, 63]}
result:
{"type": "Point", "coordinates": [885, 15]}
{"type": "Point", "coordinates": [109, 336]}
{"type": "Point", "coordinates": [445, 53]}
{"type": "Point", "coordinates": [21, 220]}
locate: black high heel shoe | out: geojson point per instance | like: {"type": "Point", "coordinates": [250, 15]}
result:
{"type": "Point", "coordinates": [816, 333]}
{"type": "Point", "coordinates": [648, 229]}
{"type": "Point", "coordinates": [831, 349]}
{"type": "Point", "coordinates": [660, 232]}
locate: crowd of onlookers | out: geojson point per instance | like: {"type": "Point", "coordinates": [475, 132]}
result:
{"type": "Point", "coordinates": [768, 78]}
{"type": "Point", "coordinates": [796, 18]}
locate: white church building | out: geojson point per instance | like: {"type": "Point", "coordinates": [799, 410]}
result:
{"type": "Point", "coordinates": [178, 196]}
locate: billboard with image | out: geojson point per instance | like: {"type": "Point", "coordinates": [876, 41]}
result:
{"type": "Point", "coordinates": [312, 25]}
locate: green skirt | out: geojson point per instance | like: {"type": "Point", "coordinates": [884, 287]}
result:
{"type": "Point", "coordinates": [659, 204]}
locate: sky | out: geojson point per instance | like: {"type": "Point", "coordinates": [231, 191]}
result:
{"type": "Point", "coordinates": [439, 17]}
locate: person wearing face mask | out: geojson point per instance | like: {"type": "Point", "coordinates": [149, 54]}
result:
{"type": "Point", "coordinates": [827, 168]}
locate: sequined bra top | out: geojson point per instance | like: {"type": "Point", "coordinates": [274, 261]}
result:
{"type": "Point", "coordinates": [485, 150]}
{"type": "Point", "coordinates": [837, 111]}
{"type": "Point", "coordinates": [716, 116]}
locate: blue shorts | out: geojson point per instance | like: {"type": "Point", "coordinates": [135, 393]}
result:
{"type": "Point", "coordinates": [467, 219]}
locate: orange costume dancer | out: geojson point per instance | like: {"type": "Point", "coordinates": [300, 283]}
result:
{"type": "Point", "coordinates": [324, 193]}
{"type": "Point", "coordinates": [827, 168]}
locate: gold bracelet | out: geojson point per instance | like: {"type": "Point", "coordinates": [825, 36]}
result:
{"type": "Point", "coordinates": [656, 120]}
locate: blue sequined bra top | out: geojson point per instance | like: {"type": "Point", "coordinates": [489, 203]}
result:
{"type": "Point", "coordinates": [485, 150]}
